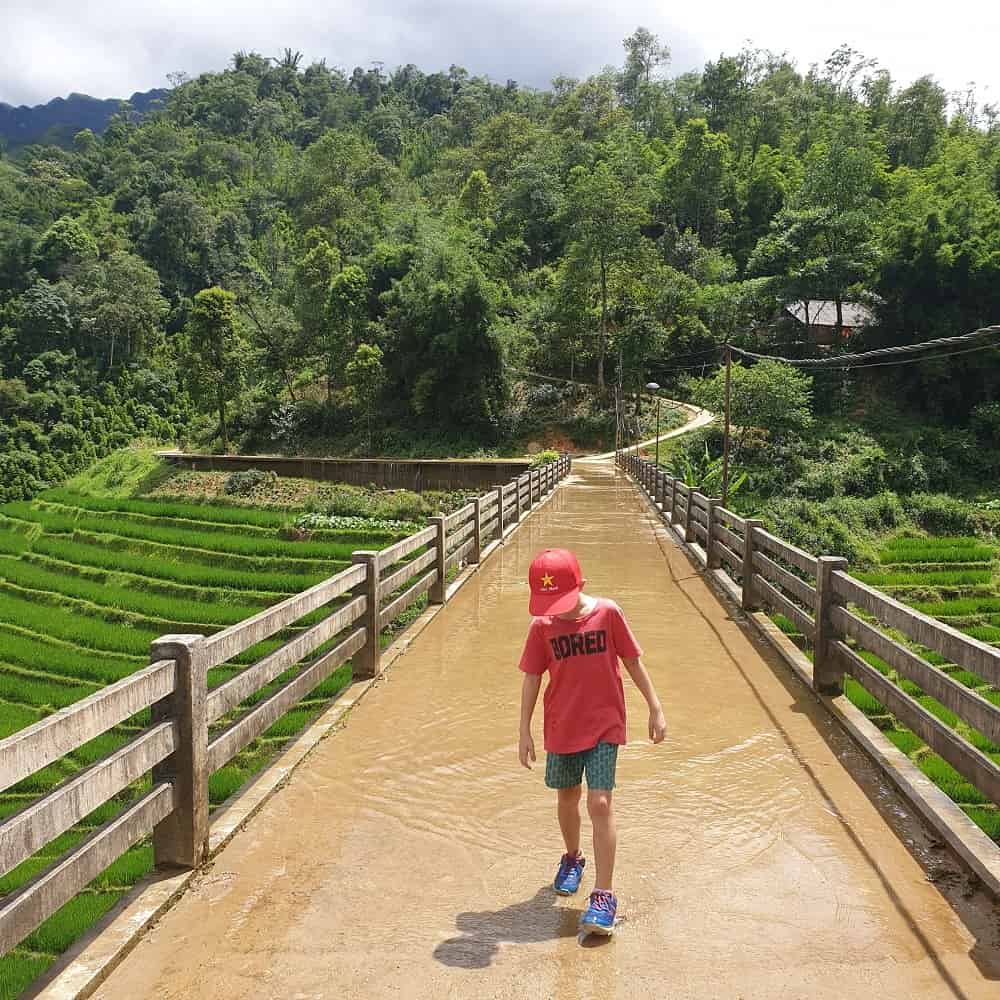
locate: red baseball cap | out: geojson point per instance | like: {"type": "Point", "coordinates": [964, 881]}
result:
{"type": "Point", "coordinates": [555, 580]}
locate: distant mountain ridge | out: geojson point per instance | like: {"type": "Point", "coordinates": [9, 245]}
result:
{"type": "Point", "coordinates": [59, 120]}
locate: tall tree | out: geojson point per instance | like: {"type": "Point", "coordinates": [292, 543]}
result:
{"type": "Point", "coordinates": [216, 357]}
{"type": "Point", "coordinates": [696, 181]}
{"type": "Point", "coordinates": [824, 243]}
{"type": "Point", "coordinates": [603, 220]}
{"type": "Point", "coordinates": [644, 54]}
{"type": "Point", "coordinates": [365, 377]}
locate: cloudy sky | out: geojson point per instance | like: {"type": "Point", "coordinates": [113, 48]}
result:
{"type": "Point", "coordinates": [111, 48]}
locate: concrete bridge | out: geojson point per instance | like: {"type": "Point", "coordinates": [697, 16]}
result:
{"type": "Point", "coordinates": [762, 853]}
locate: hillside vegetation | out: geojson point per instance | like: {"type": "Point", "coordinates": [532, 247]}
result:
{"type": "Point", "coordinates": [286, 255]}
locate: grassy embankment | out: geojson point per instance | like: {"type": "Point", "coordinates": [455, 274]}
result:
{"type": "Point", "coordinates": [89, 576]}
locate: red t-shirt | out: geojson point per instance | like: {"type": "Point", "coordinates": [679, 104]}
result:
{"type": "Point", "coordinates": [584, 699]}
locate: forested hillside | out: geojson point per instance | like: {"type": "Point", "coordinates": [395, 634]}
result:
{"type": "Point", "coordinates": [287, 254]}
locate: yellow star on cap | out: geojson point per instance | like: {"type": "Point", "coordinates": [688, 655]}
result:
{"type": "Point", "coordinates": [547, 581]}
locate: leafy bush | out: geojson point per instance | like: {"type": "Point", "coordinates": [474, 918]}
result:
{"type": "Point", "coordinates": [326, 522]}
{"type": "Point", "coordinates": [544, 457]}
{"type": "Point", "coordinates": [840, 526]}
{"type": "Point", "coordinates": [248, 482]}
{"type": "Point", "coordinates": [544, 394]}
{"type": "Point", "coordinates": [401, 505]}
{"type": "Point", "coordinates": [940, 514]}
{"type": "Point", "coordinates": [344, 500]}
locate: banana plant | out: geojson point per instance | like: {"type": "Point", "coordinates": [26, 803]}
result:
{"type": "Point", "coordinates": [705, 474]}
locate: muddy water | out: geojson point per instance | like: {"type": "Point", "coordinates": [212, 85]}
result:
{"type": "Point", "coordinates": [410, 856]}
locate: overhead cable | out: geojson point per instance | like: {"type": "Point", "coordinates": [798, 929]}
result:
{"type": "Point", "coordinates": [893, 355]}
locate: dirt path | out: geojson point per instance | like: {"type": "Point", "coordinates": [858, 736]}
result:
{"type": "Point", "coordinates": [697, 418]}
{"type": "Point", "coordinates": [410, 856]}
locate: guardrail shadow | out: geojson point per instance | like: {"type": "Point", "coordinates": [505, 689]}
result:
{"type": "Point", "coordinates": [970, 902]}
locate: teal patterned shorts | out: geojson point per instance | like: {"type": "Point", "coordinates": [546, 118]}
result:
{"type": "Point", "coordinates": [565, 770]}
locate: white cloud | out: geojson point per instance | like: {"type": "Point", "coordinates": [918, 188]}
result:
{"type": "Point", "coordinates": [112, 47]}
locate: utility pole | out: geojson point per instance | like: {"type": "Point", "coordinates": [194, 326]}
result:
{"type": "Point", "coordinates": [618, 422]}
{"type": "Point", "coordinates": [654, 387]}
{"type": "Point", "coordinates": [725, 441]}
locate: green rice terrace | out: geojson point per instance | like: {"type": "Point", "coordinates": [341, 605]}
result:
{"type": "Point", "coordinates": [956, 580]}
{"type": "Point", "coordinates": [86, 584]}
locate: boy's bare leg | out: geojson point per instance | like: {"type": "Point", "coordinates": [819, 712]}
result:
{"type": "Point", "coordinates": [569, 817]}
{"type": "Point", "coordinates": [602, 818]}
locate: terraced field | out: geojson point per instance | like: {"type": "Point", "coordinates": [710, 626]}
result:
{"type": "Point", "coordinates": [956, 581]}
{"type": "Point", "coordinates": [85, 586]}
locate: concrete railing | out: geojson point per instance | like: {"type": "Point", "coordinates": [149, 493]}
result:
{"type": "Point", "coordinates": [842, 618]}
{"type": "Point", "coordinates": [189, 735]}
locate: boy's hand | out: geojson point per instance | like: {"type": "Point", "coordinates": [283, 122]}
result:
{"type": "Point", "coordinates": [526, 750]}
{"type": "Point", "coordinates": [657, 725]}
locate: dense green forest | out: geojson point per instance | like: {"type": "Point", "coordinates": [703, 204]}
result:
{"type": "Point", "coordinates": [288, 254]}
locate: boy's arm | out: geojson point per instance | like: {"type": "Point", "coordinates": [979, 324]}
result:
{"type": "Point", "coordinates": [639, 674]}
{"type": "Point", "coordinates": [530, 686]}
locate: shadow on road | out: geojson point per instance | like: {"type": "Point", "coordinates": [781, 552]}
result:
{"type": "Point", "coordinates": [482, 932]}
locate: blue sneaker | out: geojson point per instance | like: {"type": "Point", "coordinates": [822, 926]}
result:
{"type": "Point", "coordinates": [567, 879]}
{"type": "Point", "coordinates": [600, 915]}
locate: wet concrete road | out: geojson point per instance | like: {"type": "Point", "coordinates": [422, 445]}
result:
{"type": "Point", "coordinates": [760, 855]}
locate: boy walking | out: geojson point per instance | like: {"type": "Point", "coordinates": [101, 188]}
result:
{"type": "Point", "coordinates": [579, 640]}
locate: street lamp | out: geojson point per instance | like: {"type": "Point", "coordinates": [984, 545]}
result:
{"type": "Point", "coordinates": [654, 387]}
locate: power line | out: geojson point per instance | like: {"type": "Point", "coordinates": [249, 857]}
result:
{"type": "Point", "coordinates": [721, 347]}
{"type": "Point", "coordinates": [661, 370]}
{"type": "Point", "coordinates": [917, 360]}
{"type": "Point", "coordinates": [845, 361]}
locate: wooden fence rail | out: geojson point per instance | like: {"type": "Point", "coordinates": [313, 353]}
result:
{"type": "Point", "coordinates": [193, 731]}
{"type": "Point", "coordinates": [847, 622]}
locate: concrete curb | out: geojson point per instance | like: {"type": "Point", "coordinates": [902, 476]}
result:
{"type": "Point", "coordinates": [89, 961]}
{"type": "Point", "coordinates": [977, 851]}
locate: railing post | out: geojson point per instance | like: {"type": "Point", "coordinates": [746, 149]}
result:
{"type": "Point", "coordinates": [517, 500]}
{"type": "Point", "coordinates": [500, 525]}
{"type": "Point", "coordinates": [712, 560]}
{"type": "Point", "coordinates": [181, 840]}
{"type": "Point", "coordinates": [749, 601]}
{"type": "Point", "coordinates": [673, 500]}
{"type": "Point", "coordinates": [689, 535]}
{"type": "Point", "coordinates": [661, 485]}
{"type": "Point", "coordinates": [477, 531]}
{"type": "Point", "coordinates": [365, 662]}
{"type": "Point", "coordinates": [531, 488]}
{"type": "Point", "coordinates": [436, 594]}
{"type": "Point", "coordinates": [828, 675]}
